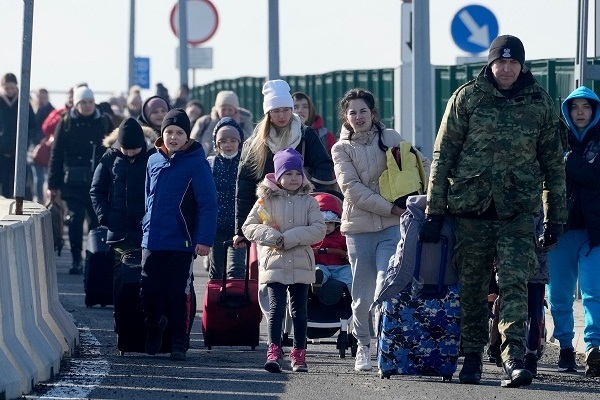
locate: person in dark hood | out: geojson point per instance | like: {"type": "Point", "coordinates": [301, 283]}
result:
{"type": "Point", "coordinates": [117, 190]}
{"type": "Point", "coordinates": [577, 255]}
{"type": "Point", "coordinates": [154, 110]}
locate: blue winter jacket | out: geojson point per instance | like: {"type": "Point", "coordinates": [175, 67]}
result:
{"type": "Point", "coordinates": [181, 201]}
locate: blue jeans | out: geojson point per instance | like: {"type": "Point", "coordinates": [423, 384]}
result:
{"type": "Point", "coordinates": [342, 273]}
{"type": "Point", "coordinates": [573, 258]}
{"type": "Point", "coordinates": [369, 255]}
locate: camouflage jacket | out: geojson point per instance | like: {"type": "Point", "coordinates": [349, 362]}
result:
{"type": "Point", "coordinates": [493, 148]}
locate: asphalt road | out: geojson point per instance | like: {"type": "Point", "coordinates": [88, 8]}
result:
{"type": "Point", "coordinates": [227, 373]}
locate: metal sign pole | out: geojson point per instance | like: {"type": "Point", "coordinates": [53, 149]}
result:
{"type": "Point", "coordinates": [183, 43]}
{"type": "Point", "coordinates": [23, 114]}
{"type": "Point", "coordinates": [422, 87]}
{"type": "Point", "coordinates": [580, 58]}
{"type": "Point", "coordinates": [273, 39]}
{"type": "Point", "coordinates": [131, 77]}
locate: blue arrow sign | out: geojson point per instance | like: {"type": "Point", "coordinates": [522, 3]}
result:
{"type": "Point", "coordinates": [142, 72]}
{"type": "Point", "coordinates": [473, 28]}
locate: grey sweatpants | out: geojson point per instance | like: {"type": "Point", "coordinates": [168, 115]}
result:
{"type": "Point", "coordinates": [369, 255]}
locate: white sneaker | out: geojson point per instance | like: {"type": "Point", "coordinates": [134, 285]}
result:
{"type": "Point", "coordinates": [363, 359]}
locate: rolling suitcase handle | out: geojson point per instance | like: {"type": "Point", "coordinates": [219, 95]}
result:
{"type": "Point", "coordinates": [226, 245]}
{"type": "Point", "coordinates": [442, 270]}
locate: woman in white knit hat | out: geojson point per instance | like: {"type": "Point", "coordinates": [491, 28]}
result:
{"type": "Point", "coordinates": [227, 104]}
{"type": "Point", "coordinates": [278, 129]}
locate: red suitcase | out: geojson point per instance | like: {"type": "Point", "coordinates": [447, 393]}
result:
{"type": "Point", "coordinates": [231, 315]}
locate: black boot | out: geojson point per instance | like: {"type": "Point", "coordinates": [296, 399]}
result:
{"type": "Point", "coordinates": [531, 362]}
{"type": "Point", "coordinates": [516, 373]}
{"type": "Point", "coordinates": [471, 369]}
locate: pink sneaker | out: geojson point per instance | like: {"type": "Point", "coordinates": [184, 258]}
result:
{"type": "Point", "coordinates": [274, 358]}
{"type": "Point", "coordinates": [297, 358]}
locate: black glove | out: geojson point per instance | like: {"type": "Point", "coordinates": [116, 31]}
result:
{"type": "Point", "coordinates": [550, 234]}
{"type": "Point", "coordinates": [431, 228]}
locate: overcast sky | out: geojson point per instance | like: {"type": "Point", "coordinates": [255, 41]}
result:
{"type": "Point", "coordinates": [87, 40]}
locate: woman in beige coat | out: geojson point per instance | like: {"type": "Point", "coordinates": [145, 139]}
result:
{"type": "Point", "coordinates": [369, 222]}
{"type": "Point", "coordinates": [284, 223]}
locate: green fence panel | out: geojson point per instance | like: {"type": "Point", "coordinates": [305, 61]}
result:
{"type": "Point", "coordinates": [326, 90]}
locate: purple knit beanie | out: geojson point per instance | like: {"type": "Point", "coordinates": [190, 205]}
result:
{"type": "Point", "coordinates": [287, 160]}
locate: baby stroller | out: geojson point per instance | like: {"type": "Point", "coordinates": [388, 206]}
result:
{"type": "Point", "coordinates": [329, 311]}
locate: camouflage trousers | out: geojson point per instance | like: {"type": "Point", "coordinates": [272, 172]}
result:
{"type": "Point", "coordinates": [478, 244]}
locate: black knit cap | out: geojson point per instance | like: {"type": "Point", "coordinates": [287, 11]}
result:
{"type": "Point", "coordinates": [506, 46]}
{"type": "Point", "coordinates": [177, 117]}
{"type": "Point", "coordinates": [131, 135]}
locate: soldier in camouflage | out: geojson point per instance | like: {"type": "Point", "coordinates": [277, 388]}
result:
{"type": "Point", "coordinates": [497, 153]}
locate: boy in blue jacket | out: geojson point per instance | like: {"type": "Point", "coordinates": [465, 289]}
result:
{"type": "Point", "coordinates": [180, 222]}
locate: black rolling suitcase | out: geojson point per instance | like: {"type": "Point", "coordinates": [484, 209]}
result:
{"type": "Point", "coordinates": [98, 272]}
{"type": "Point", "coordinates": [130, 326]}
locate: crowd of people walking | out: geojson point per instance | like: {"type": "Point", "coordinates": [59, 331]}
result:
{"type": "Point", "coordinates": [161, 175]}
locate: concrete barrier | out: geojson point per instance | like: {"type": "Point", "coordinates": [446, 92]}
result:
{"type": "Point", "coordinates": [35, 330]}
{"type": "Point", "coordinates": [52, 311]}
{"type": "Point", "coordinates": [10, 344]}
{"type": "Point", "coordinates": [7, 206]}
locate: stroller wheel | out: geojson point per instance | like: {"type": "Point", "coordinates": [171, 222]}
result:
{"type": "Point", "coordinates": [353, 345]}
{"type": "Point", "coordinates": [286, 340]}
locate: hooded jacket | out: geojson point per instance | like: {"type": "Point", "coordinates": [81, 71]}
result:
{"type": "Point", "coordinates": [145, 122]}
{"type": "Point", "coordinates": [494, 150]}
{"type": "Point", "coordinates": [327, 137]}
{"type": "Point", "coordinates": [583, 168]}
{"type": "Point", "coordinates": [359, 162]}
{"type": "Point", "coordinates": [300, 224]}
{"type": "Point", "coordinates": [333, 240]}
{"type": "Point", "coordinates": [117, 190]}
{"type": "Point", "coordinates": [203, 129]}
{"type": "Point", "coordinates": [181, 201]}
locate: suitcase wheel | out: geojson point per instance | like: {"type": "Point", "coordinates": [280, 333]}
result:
{"type": "Point", "coordinates": [253, 348]}
{"type": "Point", "coordinates": [447, 378]}
{"type": "Point", "coordinates": [121, 353]}
{"type": "Point", "coordinates": [384, 375]}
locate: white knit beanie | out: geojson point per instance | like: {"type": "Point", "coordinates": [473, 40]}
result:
{"type": "Point", "coordinates": [227, 97]}
{"type": "Point", "coordinates": [82, 93]}
{"type": "Point", "coordinates": [277, 95]}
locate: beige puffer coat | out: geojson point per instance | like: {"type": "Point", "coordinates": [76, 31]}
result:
{"type": "Point", "coordinates": [300, 224]}
{"type": "Point", "coordinates": [358, 163]}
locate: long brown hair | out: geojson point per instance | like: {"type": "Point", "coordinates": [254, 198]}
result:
{"type": "Point", "coordinates": [312, 110]}
{"type": "Point", "coordinates": [258, 148]}
{"type": "Point", "coordinates": [355, 94]}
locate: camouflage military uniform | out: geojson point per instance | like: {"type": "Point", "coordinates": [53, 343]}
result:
{"type": "Point", "coordinates": [494, 158]}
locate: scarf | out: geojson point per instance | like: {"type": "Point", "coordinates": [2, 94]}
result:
{"type": "Point", "coordinates": [275, 140]}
